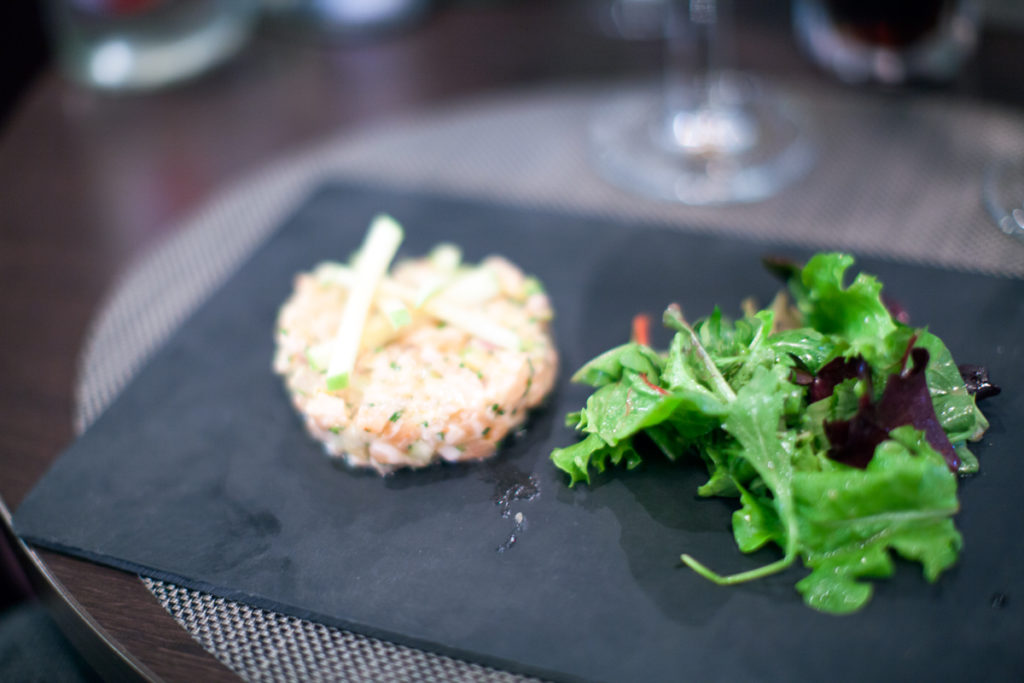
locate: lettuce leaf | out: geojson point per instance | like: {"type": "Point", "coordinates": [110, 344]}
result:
{"type": "Point", "coordinates": [903, 500]}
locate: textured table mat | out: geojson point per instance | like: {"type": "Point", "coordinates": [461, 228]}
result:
{"type": "Point", "coordinates": [895, 178]}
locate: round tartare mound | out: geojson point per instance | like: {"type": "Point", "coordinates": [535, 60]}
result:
{"type": "Point", "coordinates": [425, 389]}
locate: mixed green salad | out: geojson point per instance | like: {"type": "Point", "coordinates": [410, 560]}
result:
{"type": "Point", "coordinates": [840, 429]}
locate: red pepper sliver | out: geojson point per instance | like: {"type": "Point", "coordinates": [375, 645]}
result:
{"type": "Point", "coordinates": [642, 329]}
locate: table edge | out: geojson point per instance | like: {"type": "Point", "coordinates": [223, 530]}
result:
{"type": "Point", "coordinates": [101, 650]}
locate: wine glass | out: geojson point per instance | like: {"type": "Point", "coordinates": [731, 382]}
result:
{"type": "Point", "coordinates": [630, 19]}
{"type": "Point", "coordinates": [712, 136]}
{"type": "Point", "coordinates": [894, 43]}
{"type": "Point", "coordinates": [887, 42]}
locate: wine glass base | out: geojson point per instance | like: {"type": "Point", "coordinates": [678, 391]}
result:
{"type": "Point", "coordinates": [632, 150]}
{"type": "Point", "coordinates": [1003, 195]}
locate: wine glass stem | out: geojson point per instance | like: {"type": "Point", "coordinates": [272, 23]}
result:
{"type": "Point", "coordinates": [702, 111]}
{"type": "Point", "coordinates": [695, 49]}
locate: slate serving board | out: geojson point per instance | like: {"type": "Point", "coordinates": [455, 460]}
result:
{"type": "Point", "coordinates": [201, 474]}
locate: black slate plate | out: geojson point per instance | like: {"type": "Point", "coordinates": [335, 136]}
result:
{"type": "Point", "coordinates": [201, 474]}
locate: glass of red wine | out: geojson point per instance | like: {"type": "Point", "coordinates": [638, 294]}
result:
{"type": "Point", "coordinates": [710, 135]}
{"type": "Point", "coordinates": [894, 42]}
{"type": "Point", "coordinates": [888, 41]}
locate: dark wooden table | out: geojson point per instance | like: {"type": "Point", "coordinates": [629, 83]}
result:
{"type": "Point", "coordinates": [88, 182]}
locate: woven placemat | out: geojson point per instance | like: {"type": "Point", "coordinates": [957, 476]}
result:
{"type": "Point", "coordinates": [895, 178]}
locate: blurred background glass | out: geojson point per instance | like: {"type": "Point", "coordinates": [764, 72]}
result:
{"type": "Point", "coordinates": [137, 45]}
{"type": "Point", "coordinates": [631, 19]}
{"type": "Point", "coordinates": [345, 18]}
{"type": "Point", "coordinates": [1003, 195]}
{"type": "Point", "coordinates": [888, 41]}
{"type": "Point", "coordinates": [712, 135]}
{"type": "Point", "coordinates": [146, 44]}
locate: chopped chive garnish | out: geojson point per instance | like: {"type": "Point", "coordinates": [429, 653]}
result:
{"type": "Point", "coordinates": [395, 415]}
{"type": "Point", "coordinates": [533, 285]}
{"type": "Point", "coordinates": [529, 379]}
{"type": "Point", "coordinates": [318, 356]}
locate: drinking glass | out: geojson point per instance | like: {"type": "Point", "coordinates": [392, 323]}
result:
{"type": "Point", "coordinates": [630, 19]}
{"type": "Point", "coordinates": [122, 45]}
{"type": "Point", "coordinates": [1003, 195]}
{"type": "Point", "coordinates": [344, 19]}
{"type": "Point", "coordinates": [888, 41]}
{"type": "Point", "coordinates": [712, 135]}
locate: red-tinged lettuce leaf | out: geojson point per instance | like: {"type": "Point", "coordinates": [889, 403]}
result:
{"type": "Point", "coordinates": [835, 371]}
{"type": "Point", "coordinates": [853, 441]}
{"type": "Point", "coordinates": [782, 267]}
{"type": "Point", "coordinates": [955, 407]}
{"type": "Point", "coordinates": [850, 520]}
{"type": "Point", "coordinates": [977, 381]}
{"type": "Point", "coordinates": [618, 412]}
{"type": "Point", "coordinates": [906, 400]}
{"type": "Point", "coordinates": [896, 310]}
{"type": "Point", "coordinates": [608, 367]}
{"type": "Point", "coordinates": [861, 311]}
{"type": "Point", "coordinates": [621, 410]}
